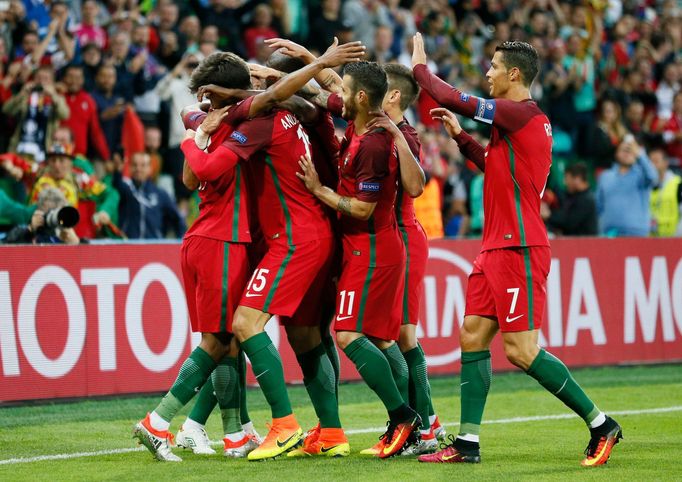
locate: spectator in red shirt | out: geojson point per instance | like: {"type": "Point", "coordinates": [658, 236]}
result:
{"type": "Point", "coordinates": [261, 29]}
{"type": "Point", "coordinates": [672, 131]}
{"type": "Point", "coordinates": [84, 121]}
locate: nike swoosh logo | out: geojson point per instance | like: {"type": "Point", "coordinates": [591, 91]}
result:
{"type": "Point", "coordinates": [282, 444]}
{"type": "Point", "coordinates": [324, 449]}
{"type": "Point", "coordinates": [251, 295]}
{"type": "Point", "coordinates": [448, 457]}
{"type": "Point", "coordinates": [261, 374]}
{"type": "Point", "coordinates": [509, 320]}
{"type": "Point", "coordinates": [341, 318]}
{"type": "Point", "coordinates": [396, 439]}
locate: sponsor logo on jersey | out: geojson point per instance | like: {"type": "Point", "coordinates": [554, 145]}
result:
{"type": "Point", "coordinates": [369, 186]}
{"type": "Point", "coordinates": [239, 137]}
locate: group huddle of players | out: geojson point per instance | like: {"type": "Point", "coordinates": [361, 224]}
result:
{"type": "Point", "coordinates": [295, 223]}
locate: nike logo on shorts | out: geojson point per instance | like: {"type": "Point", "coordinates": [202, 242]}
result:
{"type": "Point", "coordinates": [510, 320]}
{"type": "Point", "coordinates": [251, 295]}
{"type": "Point", "coordinates": [341, 318]}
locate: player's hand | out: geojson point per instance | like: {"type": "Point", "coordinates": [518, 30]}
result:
{"type": "Point", "coordinates": [309, 175]}
{"type": "Point", "coordinates": [264, 73]}
{"type": "Point", "coordinates": [213, 119]}
{"type": "Point", "coordinates": [341, 54]}
{"type": "Point", "coordinates": [448, 119]}
{"type": "Point", "coordinates": [292, 49]}
{"type": "Point", "coordinates": [381, 121]}
{"type": "Point", "coordinates": [215, 92]}
{"type": "Point", "coordinates": [418, 52]}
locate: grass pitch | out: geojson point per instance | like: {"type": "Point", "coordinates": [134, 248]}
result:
{"type": "Point", "coordinates": [529, 435]}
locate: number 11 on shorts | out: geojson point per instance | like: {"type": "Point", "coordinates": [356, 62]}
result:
{"type": "Point", "coordinates": [350, 296]}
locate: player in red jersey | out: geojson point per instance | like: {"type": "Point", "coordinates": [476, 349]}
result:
{"type": "Point", "coordinates": [213, 288]}
{"type": "Point", "coordinates": [507, 287]}
{"type": "Point", "coordinates": [402, 92]}
{"type": "Point", "coordinates": [368, 309]}
{"type": "Point", "coordinates": [300, 244]}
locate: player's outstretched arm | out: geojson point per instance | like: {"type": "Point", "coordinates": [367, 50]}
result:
{"type": "Point", "coordinates": [412, 176]}
{"type": "Point", "coordinates": [348, 206]}
{"type": "Point", "coordinates": [207, 166]}
{"type": "Point", "coordinates": [287, 86]}
{"type": "Point", "coordinates": [327, 78]}
{"type": "Point", "coordinates": [467, 145]}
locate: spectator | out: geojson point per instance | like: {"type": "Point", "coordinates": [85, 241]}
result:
{"type": "Point", "coordinates": [608, 133]}
{"type": "Point", "coordinates": [146, 211]}
{"type": "Point", "coordinates": [37, 231]}
{"type": "Point", "coordinates": [671, 129]}
{"type": "Point", "coordinates": [76, 186]}
{"type": "Point", "coordinates": [83, 119]}
{"type": "Point", "coordinates": [261, 29]}
{"type": "Point", "coordinates": [325, 25]}
{"type": "Point", "coordinates": [364, 16]}
{"type": "Point", "coordinates": [110, 106]}
{"type": "Point", "coordinates": [623, 192]}
{"type": "Point", "coordinates": [455, 215]}
{"type": "Point", "coordinates": [89, 31]}
{"type": "Point", "coordinates": [669, 85]}
{"type": "Point", "coordinates": [38, 108]}
{"type": "Point", "coordinates": [577, 212]}
{"type": "Point", "coordinates": [383, 41]}
{"type": "Point", "coordinates": [190, 29]}
{"type": "Point", "coordinates": [666, 198]}
{"type": "Point", "coordinates": [91, 61]}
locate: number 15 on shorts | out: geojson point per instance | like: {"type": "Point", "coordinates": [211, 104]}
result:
{"type": "Point", "coordinates": [257, 283]}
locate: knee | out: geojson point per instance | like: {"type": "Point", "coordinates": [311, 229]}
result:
{"type": "Point", "coordinates": [213, 346]}
{"type": "Point", "coordinates": [239, 327]}
{"type": "Point", "coordinates": [345, 338]}
{"type": "Point", "coordinates": [408, 338]}
{"type": "Point", "coordinates": [468, 340]}
{"type": "Point", "coordinates": [303, 338]}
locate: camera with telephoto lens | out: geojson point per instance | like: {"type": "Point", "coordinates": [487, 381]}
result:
{"type": "Point", "coordinates": [65, 217]}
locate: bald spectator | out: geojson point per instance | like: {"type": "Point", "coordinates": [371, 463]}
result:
{"type": "Point", "coordinates": [577, 212]}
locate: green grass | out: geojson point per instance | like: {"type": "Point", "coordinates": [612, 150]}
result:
{"type": "Point", "coordinates": [538, 450]}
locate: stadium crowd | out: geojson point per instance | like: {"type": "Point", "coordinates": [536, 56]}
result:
{"type": "Point", "coordinates": [91, 93]}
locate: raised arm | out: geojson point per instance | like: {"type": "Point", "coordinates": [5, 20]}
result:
{"type": "Point", "coordinates": [327, 78]}
{"type": "Point", "coordinates": [500, 112]}
{"type": "Point", "coordinates": [287, 86]}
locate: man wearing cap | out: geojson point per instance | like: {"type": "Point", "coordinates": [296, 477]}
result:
{"type": "Point", "coordinates": [59, 173]}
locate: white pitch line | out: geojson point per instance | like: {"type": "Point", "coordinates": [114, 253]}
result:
{"type": "Point", "coordinates": [538, 418]}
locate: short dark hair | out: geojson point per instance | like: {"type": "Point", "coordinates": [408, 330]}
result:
{"type": "Point", "coordinates": [521, 55]}
{"type": "Point", "coordinates": [579, 169]}
{"type": "Point", "coordinates": [401, 78]}
{"type": "Point", "coordinates": [224, 69]}
{"type": "Point", "coordinates": [370, 77]}
{"type": "Point", "coordinates": [283, 62]}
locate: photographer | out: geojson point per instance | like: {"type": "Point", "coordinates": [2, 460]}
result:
{"type": "Point", "coordinates": [51, 223]}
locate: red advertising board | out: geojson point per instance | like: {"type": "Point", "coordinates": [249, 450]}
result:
{"type": "Point", "coordinates": [107, 319]}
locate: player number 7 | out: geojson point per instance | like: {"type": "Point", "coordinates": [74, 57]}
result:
{"type": "Point", "coordinates": [515, 297]}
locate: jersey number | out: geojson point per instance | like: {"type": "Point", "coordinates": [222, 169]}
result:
{"type": "Point", "coordinates": [350, 295]}
{"type": "Point", "coordinates": [259, 278]}
{"type": "Point", "coordinates": [515, 297]}
{"type": "Point", "coordinates": [306, 140]}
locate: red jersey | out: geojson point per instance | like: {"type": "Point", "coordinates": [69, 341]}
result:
{"type": "Point", "coordinates": [84, 123]}
{"type": "Point", "coordinates": [404, 205]}
{"type": "Point", "coordinates": [517, 162]}
{"type": "Point", "coordinates": [223, 209]}
{"type": "Point", "coordinates": [368, 171]}
{"type": "Point", "coordinates": [274, 143]}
